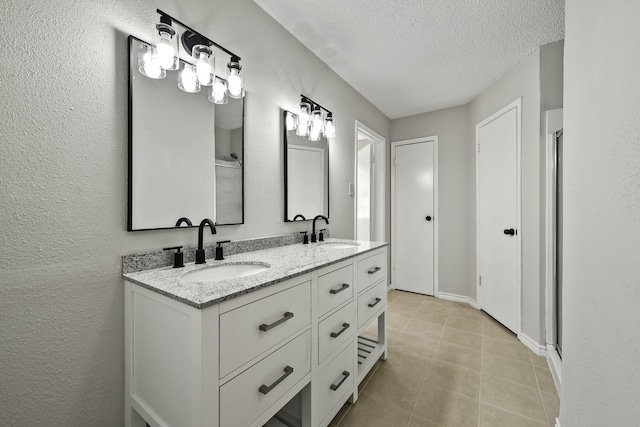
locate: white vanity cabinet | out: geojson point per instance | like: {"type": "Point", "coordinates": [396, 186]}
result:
{"type": "Point", "coordinates": [241, 361]}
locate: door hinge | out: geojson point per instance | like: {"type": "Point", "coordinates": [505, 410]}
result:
{"type": "Point", "coordinates": [479, 280]}
{"type": "Point", "coordinates": [394, 161]}
{"type": "Point", "coordinates": [478, 147]}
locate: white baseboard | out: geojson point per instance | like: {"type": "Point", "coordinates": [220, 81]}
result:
{"type": "Point", "coordinates": [557, 422]}
{"type": "Point", "coordinates": [459, 298]}
{"type": "Point", "coordinates": [532, 345]}
{"type": "Point", "coordinates": [555, 365]}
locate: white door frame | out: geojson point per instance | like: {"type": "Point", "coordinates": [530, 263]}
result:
{"type": "Point", "coordinates": [553, 124]}
{"type": "Point", "coordinates": [517, 104]}
{"type": "Point", "coordinates": [436, 215]}
{"type": "Point", "coordinates": [378, 185]}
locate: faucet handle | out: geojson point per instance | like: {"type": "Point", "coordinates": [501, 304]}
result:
{"type": "Point", "coordinates": [219, 250]}
{"type": "Point", "coordinates": [178, 257]}
{"type": "Point", "coordinates": [305, 238]}
{"type": "Point", "coordinates": [321, 235]}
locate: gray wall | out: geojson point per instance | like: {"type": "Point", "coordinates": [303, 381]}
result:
{"type": "Point", "coordinates": [63, 185]}
{"type": "Point", "coordinates": [601, 346]}
{"type": "Point", "coordinates": [455, 189]}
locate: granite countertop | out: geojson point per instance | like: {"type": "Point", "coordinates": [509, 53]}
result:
{"type": "Point", "coordinates": [284, 263]}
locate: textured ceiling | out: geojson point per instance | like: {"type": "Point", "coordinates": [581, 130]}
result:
{"type": "Point", "coordinates": [413, 56]}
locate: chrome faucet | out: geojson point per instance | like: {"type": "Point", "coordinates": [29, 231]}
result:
{"type": "Point", "coordinates": [313, 227]}
{"type": "Point", "coordinates": [200, 258]}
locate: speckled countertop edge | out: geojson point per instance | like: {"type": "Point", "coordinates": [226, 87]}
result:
{"type": "Point", "coordinates": [285, 262]}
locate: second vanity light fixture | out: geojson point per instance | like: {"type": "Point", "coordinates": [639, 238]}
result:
{"type": "Point", "coordinates": [164, 56]}
{"type": "Point", "coordinates": [310, 120]}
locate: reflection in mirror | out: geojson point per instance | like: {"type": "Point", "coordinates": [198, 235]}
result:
{"type": "Point", "coordinates": [306, 186]}
{"type": "Point", "coordinates": [185, 153]}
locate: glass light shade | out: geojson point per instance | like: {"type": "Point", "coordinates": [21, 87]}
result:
{"type": "Point", "coordinates": [205, 64]}
{"type": "Point", "coordinates": [314, 135]}
{"type": "Point", "coordinates": [329, 130]}
{"type": "Point", "coordinates": [316, 125]}
{"type": "Point", "coordinates": [303, 119]}
{"type": "Point", "coordinates": [188, 81]}
{"type": "Point", "coordinates": [165, 53]}
{"type": "Point", "coordinates": [235, 79]}
{"type": "Point", "coordinates": [218, 92]}
{"type": "Point", "coordinates": [290, 121]}
{"type": "Point", "coordinates": [147, 67]}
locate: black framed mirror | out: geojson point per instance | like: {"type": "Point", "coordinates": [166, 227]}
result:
{"type": "Point", "coordinates": [186, 154]}
{"type": "Point", "coordinates": [306, 175]}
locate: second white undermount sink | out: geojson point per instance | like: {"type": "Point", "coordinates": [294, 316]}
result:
{"type": "Point", "coordinates": [225, 272]}
{"type": "Point", "coordinates": [338, 245]}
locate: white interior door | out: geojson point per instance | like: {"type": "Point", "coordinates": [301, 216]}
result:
{"type": "Point", "coordinates": [498, 216]}
{"type": "Point", "coordinates": [413, 216]}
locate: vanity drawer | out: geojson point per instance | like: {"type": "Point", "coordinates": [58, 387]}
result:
{"type": "Point", "coordinates": [252, 329]}
{"type": "Point", "coordinates": [371, 302]}
{"type": "Point", "coordinates": [330, 388]}
{"type": "Point", "coordinates": [371, 269]}
{"type": "Point", "coordinates": [247, 396]}
{"type": "Point", "coordinates": [335, 288]}
{"type": "Point", "coordinates": [335, 330]}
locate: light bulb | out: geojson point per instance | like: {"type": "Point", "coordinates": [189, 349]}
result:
{"type": "Point", "coordinates": [165, 53]}
{"type": "Point", "coordinates": [290, 121]}
{"type": "Point", "coordinates": [235, 84]}
{"type": "Point", "coordinates": [329, 127]}
{"type": "Point", "coordinates": [303, 119]}
{"type": "Point", "coordinates": [188, 80]}
{"type": "Point", "coordinates": [204, 72]}
{"type": "Point", "coordinates": [316, 124]}
{"type": "Point", "coordinates": [203, 55]}
{"type": "Point", "coordinates": [218, 93]}
{"type": "Point", "coordinates": [314, 134]}
{"type": "Point", "coordinates": [146, 66]}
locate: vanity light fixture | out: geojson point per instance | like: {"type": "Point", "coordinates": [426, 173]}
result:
{"type": "Point", "coordinates": [200, 71]}
{"type": "Point", "coordinates": [310, 120]}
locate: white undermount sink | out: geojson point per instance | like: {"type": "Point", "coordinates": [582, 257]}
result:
{"type": "Point", "coordinates": [224, 272]}
{"type": "Point", "coordinates": [338, 245]}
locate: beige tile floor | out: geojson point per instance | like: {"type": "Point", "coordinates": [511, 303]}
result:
{"type": "Point", "coordinates": [451, 365]}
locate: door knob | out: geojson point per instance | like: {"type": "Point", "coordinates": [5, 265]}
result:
{"type": "Point", "coordinates": [510, 232]}
{"type": "Point", "coordinates": [428, 218]}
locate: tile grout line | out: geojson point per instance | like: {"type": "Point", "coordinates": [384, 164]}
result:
{"type": "Point", "coordinates": [413, 411]}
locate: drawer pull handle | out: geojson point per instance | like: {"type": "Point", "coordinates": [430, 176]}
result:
{"type": "Point", "coordinates": [340, 289]}
{"type": "Point", "coordinates": [264, 327]}
{"type": "Point", "coordinates": [345, 375]}
{"type": "Point", "coordinates": [345, 326]}
{"type": "Point", "coordinates": [264, 389]}
{"type": "Point", "coordinates": [373, 270]}
{"type": "Point", "coordinates": [373, 304]}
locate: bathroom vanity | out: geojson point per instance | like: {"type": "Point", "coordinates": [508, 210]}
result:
{"type": "Point", "coordinates": [280, 346]}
